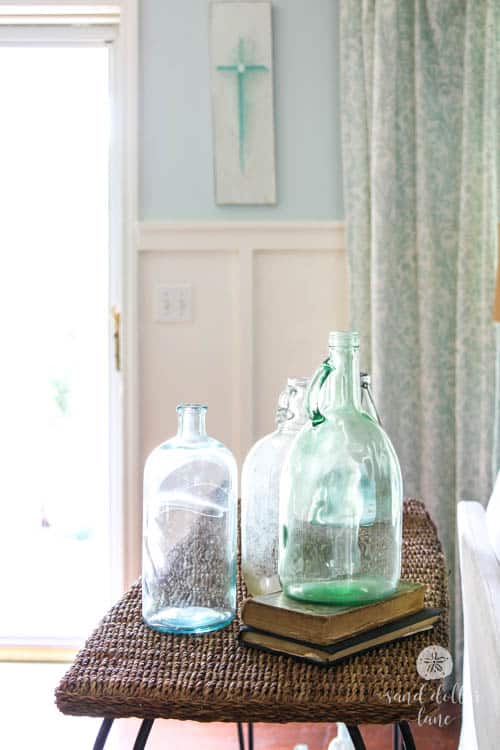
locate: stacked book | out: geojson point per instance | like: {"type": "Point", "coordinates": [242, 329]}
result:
{"type": "Point", "coordinates": [325, 634]}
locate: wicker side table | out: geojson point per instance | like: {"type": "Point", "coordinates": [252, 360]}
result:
{"type": "Point", "coordinates": [125, 669]}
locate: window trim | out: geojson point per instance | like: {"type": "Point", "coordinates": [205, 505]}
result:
{"type": "Point", "coordinates": [49, 35]}
{"type": "Point", "coordinates": [56, 13]}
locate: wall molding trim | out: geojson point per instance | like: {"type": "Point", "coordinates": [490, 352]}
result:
{"type": "Point", "coordinates": [244, 244]}
{"type": "Point", "coordinates": [168, 236]}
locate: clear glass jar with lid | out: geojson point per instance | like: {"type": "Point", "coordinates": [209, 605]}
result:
{"type": "Point", "coordinates": [341, 493]}
{"type": "Point", "coordinates": [189, 541]}
{"type": "Point", "coordinates": [260, 491]}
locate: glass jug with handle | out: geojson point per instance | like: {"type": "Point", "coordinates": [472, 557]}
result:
{"type": "Point", "coordinates": [341, 493]}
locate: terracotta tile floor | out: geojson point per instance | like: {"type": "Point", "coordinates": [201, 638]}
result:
{"type": "Point", "coordinates": [30, 719]}
{"type": "Point", "coordinates": [286, 736]}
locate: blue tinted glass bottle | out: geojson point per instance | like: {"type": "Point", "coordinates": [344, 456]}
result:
{"type": "Point", "coordinates": [189, 542]}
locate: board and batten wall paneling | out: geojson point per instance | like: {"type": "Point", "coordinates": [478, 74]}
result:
{"type": "Point", "coordinates": [264, 297]}
{"type": "Point", "coordinates": [299, 296]}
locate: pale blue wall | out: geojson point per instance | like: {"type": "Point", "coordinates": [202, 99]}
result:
{"type": "Point", "coordinates": [176, 179]}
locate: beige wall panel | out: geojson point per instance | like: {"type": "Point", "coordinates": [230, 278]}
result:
{"type": "Point", "coordinates": [299, 296]}
{"type": "Point", "coordinates": [191, 361]}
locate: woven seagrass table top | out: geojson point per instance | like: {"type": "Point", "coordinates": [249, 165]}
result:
{"type": "Point", "coordinates": [126, 669]}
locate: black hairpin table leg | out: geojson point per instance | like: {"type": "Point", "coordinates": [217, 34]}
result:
{"type": "Point", "coordinates": [102, 735]}
{"type": "Point", "coordinates": [241, 735]}
{"type": "Point", "coordinates": [396, 737]}
{"type": "Point", "coordinates": [356, 738]}
{"type": "Point", "coordinates": [143, 734]}
{"type": "Point", "coordinates": [407, 736]}
{"type": "Point", "coordinates": [241, 738]}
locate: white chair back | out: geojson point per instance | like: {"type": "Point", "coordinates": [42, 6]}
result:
{"type": "Point", "coordinates": [493, 518]}
{"type": "Point", "coordinates": [480, 572]}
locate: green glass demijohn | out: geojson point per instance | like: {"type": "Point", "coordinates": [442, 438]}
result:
{"type": "Point", "coordinates": [341, 495]}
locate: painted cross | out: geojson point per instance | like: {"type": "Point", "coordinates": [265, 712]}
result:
{"type": "Point", "coordinates": [242, 69]}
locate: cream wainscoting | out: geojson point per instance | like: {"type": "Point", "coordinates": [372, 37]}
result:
{"type": "Point", "coordinates": [265, 295]}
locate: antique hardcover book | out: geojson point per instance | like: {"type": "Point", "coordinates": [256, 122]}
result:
{"type": "Point", "coordinates": [325, 624]}
{"type": "Point", "coordinates": [402, 628]}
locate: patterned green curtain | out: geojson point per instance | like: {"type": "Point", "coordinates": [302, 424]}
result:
{"type": "Point", "coordinates": [420, 120]}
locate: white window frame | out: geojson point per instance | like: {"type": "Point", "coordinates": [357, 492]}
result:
{"type": "Point", "coordinates": [117, 25]}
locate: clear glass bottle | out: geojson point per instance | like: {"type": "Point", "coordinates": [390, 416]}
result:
{"type": "Point", "coordinates": [341, 493]}
{"type": "Point", "coordinates": [189, 543]}
{"type": "Point", "coordinates": [260, 492]}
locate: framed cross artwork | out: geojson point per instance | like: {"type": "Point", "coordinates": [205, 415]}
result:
{"type": "Point", "coordinates": [241, 74]}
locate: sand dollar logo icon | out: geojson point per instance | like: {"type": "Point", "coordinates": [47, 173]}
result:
{"type": "Point", "coordinates": [434, 663]}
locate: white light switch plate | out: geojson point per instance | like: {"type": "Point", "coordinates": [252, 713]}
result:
{"type": "Point", "coordinates": [173, 303]}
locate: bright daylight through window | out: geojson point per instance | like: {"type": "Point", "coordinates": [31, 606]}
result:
{"type": "Point", "coordinates": [54, 312]}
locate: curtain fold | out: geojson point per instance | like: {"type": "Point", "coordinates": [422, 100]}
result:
{"type": "Point", "coordinates": [419, 128]}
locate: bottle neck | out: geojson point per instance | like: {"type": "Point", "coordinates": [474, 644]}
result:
{"type": "Point", "coordinates": [191, 423]}
{"type": "Point", "coordinates": [344, 378]}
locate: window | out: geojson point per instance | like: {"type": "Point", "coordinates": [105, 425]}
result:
{"type": "Point", "coordinates": [62, 267]}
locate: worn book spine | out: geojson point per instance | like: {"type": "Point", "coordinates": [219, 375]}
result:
{"type": "Point", "coordinates": [416, 623]}
{"type": "Point", "coordinates": [322, 624]}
